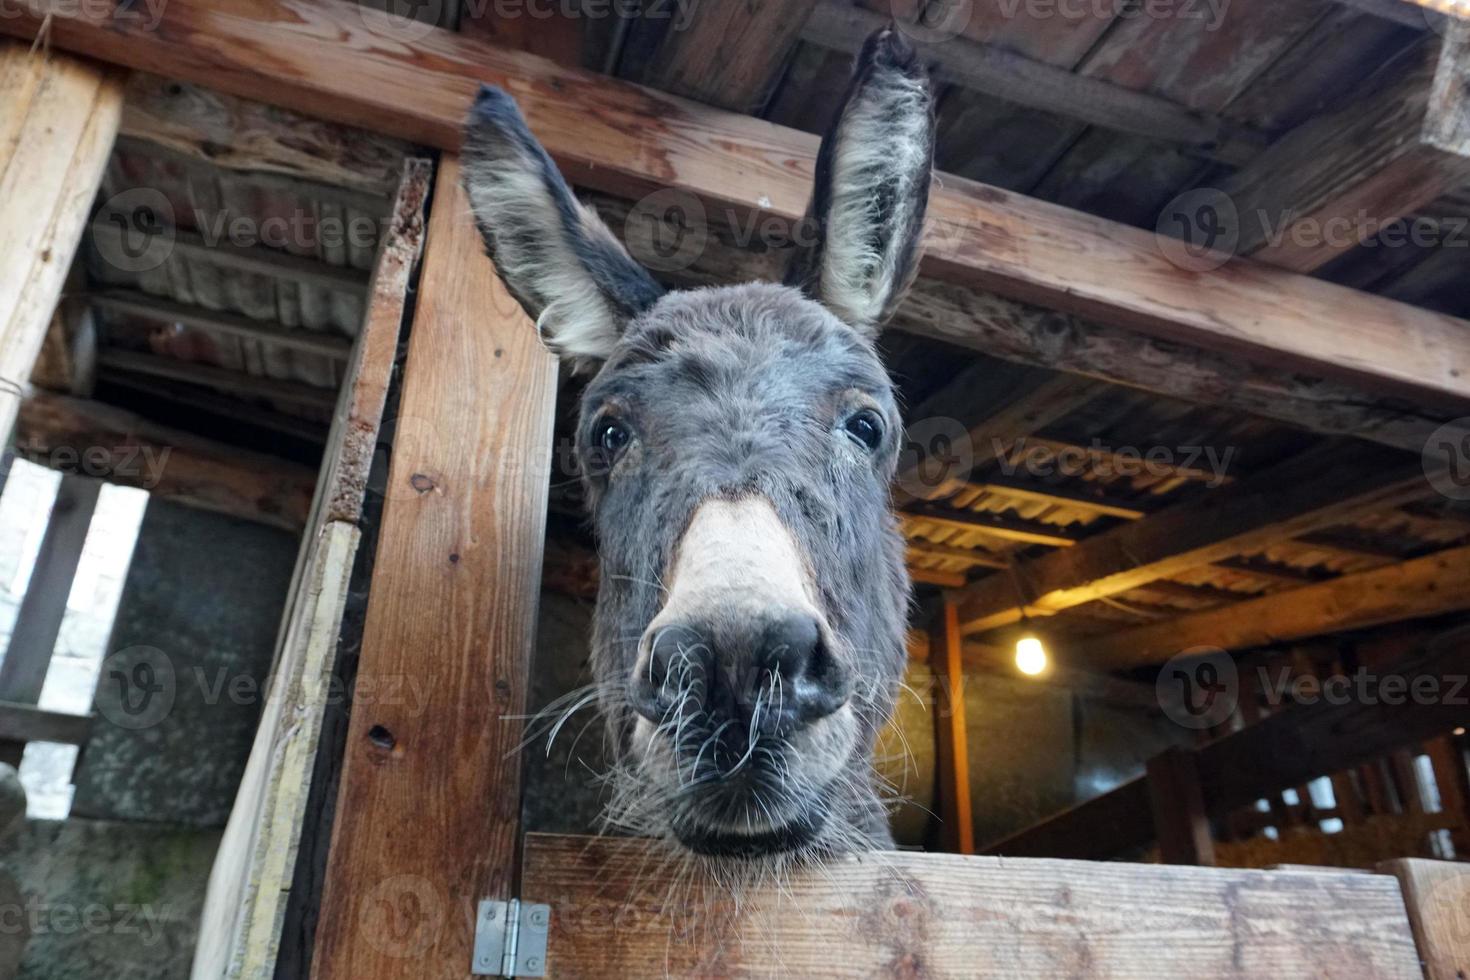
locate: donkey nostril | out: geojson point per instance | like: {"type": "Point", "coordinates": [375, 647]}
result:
{"type": "Point", "coordinates": [813, 683]}
{"type": "Point", "coordinates": [675, 667]}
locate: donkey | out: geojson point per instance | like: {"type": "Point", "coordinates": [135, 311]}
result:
{"type": "Point", "coordinates": [737, 445]}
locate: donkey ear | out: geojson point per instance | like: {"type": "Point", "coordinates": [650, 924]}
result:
{"type": "Point", "coordinates": [863, 231]}
{"type": "Point", "coordinates": [558, 259]}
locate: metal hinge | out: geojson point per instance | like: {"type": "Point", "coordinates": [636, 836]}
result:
{"type": "Point", "coordinates": [510, 939]}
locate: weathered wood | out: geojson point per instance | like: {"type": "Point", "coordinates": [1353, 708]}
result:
{"type": "Point", "coordinates": [1020, 80]}
{"type": "Point", "coordinates": [1180, 822]}
{"type": "Point", "coordinates": [623, 908]}
{"type": "Point", "coordinates": [252, 877]}
{"type": "Point", "coordinates": [1301, 495]}
{"type": "Point", "coordinates": [120, 447]}
{"type": "Point", "coordinates": [957, 824]}
{"type": "Point", "coordinates": [38, 621]}
{"type": "Point", "coordinates": [1428, 586]}
{"type": "Point", "coordinates": [989, 525]}
{"type": "Point", "coordinates": [223, 379]}
{"type": "Point", "coordinates": [1437, 894]}
{"type": "Point", "coordinates": [57, 126]}
{"type": "Point", "coordinates": [239, 134]}
{"type": "Point", "coordinates": [729, 54]}
{"type": "Point", "coordinates": [454, 597]}
{"type": "Point", "coordinates": [22, 723]}
{"type": "Point", "coordinates": [130, 302]}
{"type": "Point", "coordinates": [1334, 182]}
{"type": "Point", "coordinates": [320, 57]}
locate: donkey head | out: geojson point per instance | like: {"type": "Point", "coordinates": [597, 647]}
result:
{"type": "Point", "coordinates": [737, 446]}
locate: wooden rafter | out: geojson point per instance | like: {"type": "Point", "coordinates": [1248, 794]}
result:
{"type": "Point", "coordinates": [1436, 584]}
{"type": "Point", "coordinates": [1300, 496]}
{"type": "Point", "coordinates": [320, 57]}
{"type": "Point", "coordinates": [728, 54]}
{"type": "Point", "coordinates": [133, 303]}
{"type": "Point", "coordinates": [957, 827]}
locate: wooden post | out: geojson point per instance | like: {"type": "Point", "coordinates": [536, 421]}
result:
{"type": "Point", "coordinates": [428, 814]}
{"type": "Point", "coordinates": [38, 622]}
{"type": "Point", "coordinates": [1180, 821]}
{"type": "Point", "coordinates": [58, 120]}
{"type": "Point", "coordinates": [1437, 894]}
{"type": "Point", "coordinates": [957, 829]}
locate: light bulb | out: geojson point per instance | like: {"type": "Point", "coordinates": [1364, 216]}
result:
{"type": "Point", "coordinates": [1030, 656]}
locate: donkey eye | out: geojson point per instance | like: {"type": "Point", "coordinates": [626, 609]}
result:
{"type": "Point", "coordinates": [612, 437]}
{"type": "Point", "coordinates": [866, 427]}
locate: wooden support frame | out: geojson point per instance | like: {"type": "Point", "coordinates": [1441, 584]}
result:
{"type": "Point", "coordinates": [957, 822]}
{"type": "Point", "coordinates": [1178, 804]}
{"type": "Point", "coordinates": [953, 916]}
{"type": "Point", "coordinates": [629, 140]}
{"type": "Point", "coordinates": [454, 599]}
{"type": "Point", "coordinates": [1437, 894]}
{"type": "Point", "coordinates": [57, 127]}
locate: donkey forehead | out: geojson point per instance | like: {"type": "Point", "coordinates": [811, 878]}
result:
{"type": "Point", "coordinates": [766, 341]}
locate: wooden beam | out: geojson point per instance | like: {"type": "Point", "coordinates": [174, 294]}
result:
{"type": "Point", "coordinates": [1436, 894]}
{"type": "Point", "coordinates": [918, 548]}
{"type": "Point", "coordinates": [1026, 490]}
{"type": "Point", "coordinates": [57, 126]}
{"type": "Point", "coordinates": [930, 576]}
{"type": "Point", "coordinates": [1304, 494]}
{"type": "Point", "coordinates": [239, 134]}
{"type": "Point", "coordinates": [110, 444]}
{"type": "Point", "coordinates": [1334, 182]}
{"type": "Point", "coordinates": [729, 54]}
{"type": "Point", "coordinates": [38, 621]}
{"type": "Point", "coordinates": [321, 58]}
{"type": "Point", "coordinates": [223, 379]}
{"type": "Point", "coordinates": [454, 596]}
{"type": "Point", "coordinates": [954, 916]}
{"type": "Point", "coordinates": [130, 302]}
{"type": "Point", "coordinates": [1429, 586]}
{"type": "Point", "coordinates": [990, 525]}
{"type": "Point", "coordinates": [957, 823]}
{"type": "Point", "coordinates": [1004, 74]}
{"type": "Point", "coordinates": [256, 868]}
{"type": "Point", "coordinates": [1178, 804]}
{"type": "Point", "coordinates": [24, 723]}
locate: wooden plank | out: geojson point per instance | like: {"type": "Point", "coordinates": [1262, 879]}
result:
{"type": "Point", "coordinates": [930, 576]}
{"type": "Point", "coordinates": [454, 596]}
{"type": "Point", "coordinates": [320, 57]}
{"type": "Point", "coordinates": [1178, 804]}
{"type": "Point", "coordinates": [1428, 586]}
{"type": "Point", "coordinates": [957, 823]}
{"type": "Point", "coordinates": [57, 127]}
{"type": "Point", "coordinates": [250, 883]}
{"type": "Point", "coordinates": [239, 134]}
{"type": "Point", "coordinates": [1005, 74]}
{"type": "Point", "coordinates": [223, 379]}
{"type": "Point", "coordinates": [131, 302]}
{"type": "Point", "coordinates": [729, 54]}
{"type": "Point", "coordinates": [953, 916]}
{"type": "Point", "coordinates": [1437, 894]}
{"type": "Point", "coordinates": [115, 445]}
{"type": "Point", "coordinates": [22, 723]}
{"type": "Point", "coordinates": [1301, 495]}
{"type": "Point", "coordinates": [989, 525]}
{"type": "Point", "coordinates": [1332, 183]}
{"type": "Point", "coordinates": [38, 621]}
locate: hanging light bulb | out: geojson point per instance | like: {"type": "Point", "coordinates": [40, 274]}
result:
{"type": "Point", "coordinates": [1031, 658]}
